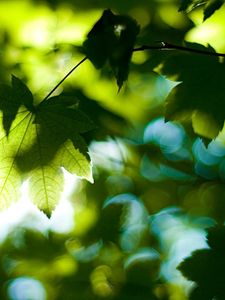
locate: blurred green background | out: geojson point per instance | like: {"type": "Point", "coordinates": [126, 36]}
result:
{"type": "Point", "coordinates": [157, 187]}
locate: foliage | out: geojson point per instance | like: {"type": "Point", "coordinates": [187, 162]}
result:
{"type": "Point", "coordinates": [205, 103]}
{"type": "Point", "coordinates": [152, 155]}
{"type": "Point", "coordinates": [210, 6]}
{"type": "Point", "coordinates": [112, 38]}
{"type": "Point", "coordinates": [38, 141]}
{"type": "Point", "coordinates": [206, 267]}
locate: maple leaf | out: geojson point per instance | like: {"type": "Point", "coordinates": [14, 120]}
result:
{"type": "Point", "coordinates": [37, 144]}
{"type": "Point", "coordinates": [200, 92]}
{"type": "Point", "coordinates": [112, 39]}
{"type": "Point", "coordinates": [11, 98]}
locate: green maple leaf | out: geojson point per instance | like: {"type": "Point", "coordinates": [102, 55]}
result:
{"type": "Point", "coordinates": [111, 40]}
{"type": "Point", "coordinates": [11, 98]}
{"type": "Point", "coordinates": [200, 95]}
{"type": "Point", "coordinates": [37, 144]}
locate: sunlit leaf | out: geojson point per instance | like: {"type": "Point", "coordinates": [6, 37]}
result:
{"type": "Point", "coordinates": [10, 147]}
{"type": "Point", "coordinates": [39, 144]}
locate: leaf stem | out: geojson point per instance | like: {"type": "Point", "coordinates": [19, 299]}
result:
{"type": "Point", "coordinates": [64, 78]}
{"type": "Point", "coordinates": [162, 46]}
{"type": "Point", "coordinates": [168, 46]}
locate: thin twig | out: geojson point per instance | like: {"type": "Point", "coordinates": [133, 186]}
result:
{"type": "Point", "coordinates": [162, 46]}
{"type": "Point", "coordinates": [64, 78]}
{"type": "Point", "coordinates": [168, 46]}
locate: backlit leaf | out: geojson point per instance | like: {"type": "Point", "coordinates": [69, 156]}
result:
{"type": "Point", "coordinates": [38, 144]}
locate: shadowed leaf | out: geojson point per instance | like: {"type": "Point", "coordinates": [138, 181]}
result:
{"type": "Point", "coordinates": [211, 7]}
{"type": "Point", "coordinates": [200, 95]}
{"type": "Point", "coordinates": [112, 39]}
{"type": "Point", "coordinates": [207, 267]}
{"type": "Point", "coordinates": [185, 4]}
{"type": "Point", "coordinates": [101, 39]}
{"type": "Point", "coordinates": [22, 93]}
{"type": "Point", "coordinates": [9, 106]}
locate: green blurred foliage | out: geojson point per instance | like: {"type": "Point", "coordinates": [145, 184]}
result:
{"type": "Point", "coordinates": [149, 176]}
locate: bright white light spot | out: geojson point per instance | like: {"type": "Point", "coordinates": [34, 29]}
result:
{"type": "Point", "coordinates": [37, 32]}
{"type": "Point", "coordinates": [25, 213]}
{"type": "Point", "coordinates": [118, 29]}
{"type": "Point", "coordinates": [25, 288]}
{"type": "Point", "coordinates": [62, 219]}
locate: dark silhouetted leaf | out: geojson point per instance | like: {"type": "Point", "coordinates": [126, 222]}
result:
{"type": "Point", "coordinates": [211, 7]}
{"type": "Point", "coordinates": [112, 39]}
{"type": "Point", "coordinates": [216, 238]}
{"type": "Point", "coordinates": [185, 4]}
{"type": "Point", "coordinates": [9, 106]}
{"type": "Point", "coordinates": [101, 39]}
{"type": "Point", "coordinates": [207, 267]}
{"type": "Point", "coordinates": [189, 5]}
{"type": "Point", "coordinates": [126, 30]}
{"type": "Point", "coordinates": [22, 93]}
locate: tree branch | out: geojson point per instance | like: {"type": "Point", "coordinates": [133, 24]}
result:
{"type": "Point", "coordinates": [168, 46]}
{"type": "Point", "coordinates": [162, 46]}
